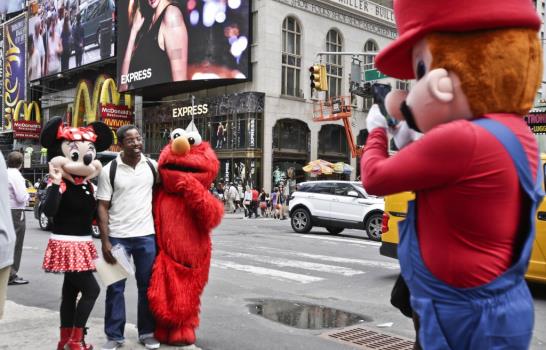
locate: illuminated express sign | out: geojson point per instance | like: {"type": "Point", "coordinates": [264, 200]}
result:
{"type": "Point", "coordinates": [203, 40]}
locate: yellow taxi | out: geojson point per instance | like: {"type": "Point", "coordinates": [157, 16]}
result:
{"type": "Point", "coordinates": [396, 206]}
{"type": "Point", "coordinates": [31, 190]}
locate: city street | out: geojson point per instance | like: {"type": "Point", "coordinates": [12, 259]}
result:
{"type": "Point", "coordinates": [255, 259]}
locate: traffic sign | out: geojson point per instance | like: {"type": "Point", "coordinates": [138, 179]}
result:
{"type": "Point", "coordinates": [373, 74]}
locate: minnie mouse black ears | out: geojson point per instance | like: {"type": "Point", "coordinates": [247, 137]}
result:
{"type": "Point", "coordinates": [48, 137]}
{"type": "Point", "coordinates": [105, 137]}
{"type": "Point", "coordinates": [97, 132]}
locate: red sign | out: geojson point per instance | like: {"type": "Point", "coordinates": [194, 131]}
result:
{"type": "Point", "coordinates": [116, 116]}
{"type": "Point", "coordinates": [27, 129]}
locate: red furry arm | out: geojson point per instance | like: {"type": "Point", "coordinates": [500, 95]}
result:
{"type": "Point", "coordinates": [155, 211]}
{"type": "Point", "coordinates": [206, 209]}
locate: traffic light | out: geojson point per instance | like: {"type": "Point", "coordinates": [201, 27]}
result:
{"type": "Point", "coordinates": [318, 77]}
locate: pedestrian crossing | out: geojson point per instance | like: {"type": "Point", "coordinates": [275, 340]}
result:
{"type": "Point", "coordinates": [291, 265]}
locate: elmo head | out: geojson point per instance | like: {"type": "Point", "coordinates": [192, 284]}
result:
{"type": "Point", "coordinates": [186, 155]}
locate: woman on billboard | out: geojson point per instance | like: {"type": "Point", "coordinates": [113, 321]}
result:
{"type": "Point", "coordinates": [157, 48]}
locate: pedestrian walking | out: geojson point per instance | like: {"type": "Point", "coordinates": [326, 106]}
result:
{"type": "Point", "coordinates": [247, 199]}
{"type": "Point", "coordinates": [70, 201]}
{"type": "Point", "coordinates": [77, 39]}
{"type": "Point", "coordinates": [232, 197]}
{"type": "Point", "coordinates": [125, 218]}
{"type": "Point", "coordinates": [254, 203]}
{"type": "Point", "coordinates": [18, 199]}
{"type": "Point", "coordinates": [7, 234]}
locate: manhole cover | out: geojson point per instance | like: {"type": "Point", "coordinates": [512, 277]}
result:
{"type": "Point", "coordinates": [302, 315]}
{"type": "Point", "coordinates": [369, 339]}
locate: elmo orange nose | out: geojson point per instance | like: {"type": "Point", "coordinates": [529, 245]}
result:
{"type": "Point", "coordinates": [180, 145]}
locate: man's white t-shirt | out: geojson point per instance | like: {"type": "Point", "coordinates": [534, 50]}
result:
{"type": "Point", "coordinates": [131, 206]}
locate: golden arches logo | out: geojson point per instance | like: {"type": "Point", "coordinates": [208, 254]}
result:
{"type": "Point", "coordinates": [27, 111]}
{"type": "Point", "coordinates": [104, 91]}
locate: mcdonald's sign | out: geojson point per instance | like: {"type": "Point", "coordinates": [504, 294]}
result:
{"type": "Point", "coordinates": [27, 128]}
{"type": "Point", "coordinates": [105, 92]}
{"type": "Point", "coordinates": [104, 104]}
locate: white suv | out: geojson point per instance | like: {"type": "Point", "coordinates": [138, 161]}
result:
{"type": "Point", "coordinates": [336, 205]}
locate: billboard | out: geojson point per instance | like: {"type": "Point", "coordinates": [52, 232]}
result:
{"type": "Point", "coordinates": [1, 76]}
{"type": "Point", "coordinates": [10, 6]}
{"type": "Point", "coordinates": [161, 41]}
{"type": "Point", "coordinates": [68, 34]}
{"type": "Point", "coordinates": [14, 77]}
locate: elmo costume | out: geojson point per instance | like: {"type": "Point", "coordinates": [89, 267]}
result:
{"type": "Point", "coordinates": [184, 213]}
{"type": "Point", "coordinates": [467, 239]}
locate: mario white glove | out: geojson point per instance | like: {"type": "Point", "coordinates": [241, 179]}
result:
{"type": "Point", "coordinates": [375, 119]}
{"type": "Point", "coordinates": [403, 134]}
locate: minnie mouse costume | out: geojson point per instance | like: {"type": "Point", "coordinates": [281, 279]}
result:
{"type": "Point", "coordinates": [72, 205]}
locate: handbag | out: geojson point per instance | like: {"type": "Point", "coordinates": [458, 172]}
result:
{"type": "Point", "coordinates": [400, 297]}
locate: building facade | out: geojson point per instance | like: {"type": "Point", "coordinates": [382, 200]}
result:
{"type": "Point", "coordinates": [263, 130]}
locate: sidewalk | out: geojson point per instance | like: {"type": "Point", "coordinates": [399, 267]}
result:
{"type": "Point", "coordinates": [31, 328]}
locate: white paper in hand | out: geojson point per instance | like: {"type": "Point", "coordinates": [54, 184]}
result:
{"type": "Point", "coordinates": [108, 273]}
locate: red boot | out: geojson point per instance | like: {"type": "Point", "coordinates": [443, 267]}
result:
{"type": "Point", "coordinates": [66, 332]}
{"type": "Point", "coordinates": [76, 341]}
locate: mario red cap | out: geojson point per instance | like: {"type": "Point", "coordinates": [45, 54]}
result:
{"type": "Point", "coordinates": [415, 19]}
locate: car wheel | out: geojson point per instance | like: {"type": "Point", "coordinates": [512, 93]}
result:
{"type": "Point", "coordinates": [373, 226]}
{"type": "Point", "coordinates": [301, 220]}
{"type": "Point", "coordinates": [44, 221]}
{"type": "Point", "coordinates": [95, 231]}
{"type": "Point", "coordinates": [334, 230]}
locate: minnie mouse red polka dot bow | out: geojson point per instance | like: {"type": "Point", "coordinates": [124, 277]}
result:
{"type": "Point", "coordinates": [76, 134]}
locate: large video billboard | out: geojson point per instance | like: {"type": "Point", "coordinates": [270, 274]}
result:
{"type": "Point", "coordinates": [14, 77]}
{"type": "Point", "coordinates": [68, 34]}
{"type": "Point", "coordinates": [161, 41]}
{"type": "Point", "coordinates": [10, 6]}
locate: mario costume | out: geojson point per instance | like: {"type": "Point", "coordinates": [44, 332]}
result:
{"type": "Point", "coordinates": [466, 242]}
{"type": "Point", "coordinates": [185, 212]}
{"type": "Point", "coordinates": [70, 201]}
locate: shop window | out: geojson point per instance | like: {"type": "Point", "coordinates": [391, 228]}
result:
{"type": "Point", "coordinates": [291, 57]}
{"type": "Point", "coordinates": [243, 172]}
{"type": "Point", "coordinates": [290, 134]}
{"type": "Point", "coordinates": [369, 63]}
{"type": "Point", "coordinates": [334, 63]}
{"type": "Point", "coordinates": [333, 142]}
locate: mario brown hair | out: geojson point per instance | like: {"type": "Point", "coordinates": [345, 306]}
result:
{"type": "Point", "coordinates": [500, 70]}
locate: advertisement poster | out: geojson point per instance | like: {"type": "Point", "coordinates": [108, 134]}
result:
{"type": "Point", "coordinates": [27, 129]}
{"type": "Point", "coordinates": [537, 122]}
{"type": "Point", "coordinates": [69, 34]}
{"type": "Point", "coordinates": [14, 78]}
{"type": "Point", "coordinates": [205, 40]}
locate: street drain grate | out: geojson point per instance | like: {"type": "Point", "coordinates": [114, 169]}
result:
{"type": "Point", "coordinates": [369, 339]}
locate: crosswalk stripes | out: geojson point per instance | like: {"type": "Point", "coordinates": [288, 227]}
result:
{"type": "Point", "coordinates": [275, 274]}
{"type": "Point", "coordinates": [290, 266]}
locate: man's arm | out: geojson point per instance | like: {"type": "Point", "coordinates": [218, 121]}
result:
{"type": "Point", "coordinates": [103, 219]}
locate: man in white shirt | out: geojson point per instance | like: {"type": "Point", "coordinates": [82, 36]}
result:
{"type": "Point", "coordinates": [18, 200]}
{"type": "Point", "coordinates": [125, 218]}
{"type": "Point", "coordinates": [7, 234]}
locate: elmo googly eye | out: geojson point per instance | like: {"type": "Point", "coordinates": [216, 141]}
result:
{"type": "Point", "coordinates": [194, 138]}
{"type": "Point", "coordinates": [177, 133]}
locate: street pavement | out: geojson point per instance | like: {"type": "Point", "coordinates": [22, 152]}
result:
{"type": "Point", "coordinates": [252, 259]}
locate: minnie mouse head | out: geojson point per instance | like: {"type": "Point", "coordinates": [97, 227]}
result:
{"type": "Point", "coordinates": [73, 150]}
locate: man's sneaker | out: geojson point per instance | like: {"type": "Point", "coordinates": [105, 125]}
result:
{"type": "Point", "coordinates": [150, 342]}
{"type": "Point", "coordinates": [112, 345]}
{"type": "Point", "coordinates": [17, 281]}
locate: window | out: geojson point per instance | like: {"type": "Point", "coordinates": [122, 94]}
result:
{"type": "Point", "coordinates": [369, 63]}
{"type": "Point", "coordinates": [332, 140]}
{"type": "Point", "coordinates": [342, 189]}
{"type": "Point", "coordinates": [402, 85]}
{"type": "Point", "coordinates": [290, 134]}
{"type": "Point", "coordinates": [334, 63]}
{"type": "Point", "coordinates": [291, 57]}
{"type": "Point", "coordinates": [324, 188]}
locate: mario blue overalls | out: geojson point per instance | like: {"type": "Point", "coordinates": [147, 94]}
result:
{"type": "Point", "coordinates": [497, 315]}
